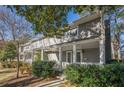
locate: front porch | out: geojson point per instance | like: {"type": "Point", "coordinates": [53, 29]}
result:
{"type": "Point", "coordinates": [79, 52]}
{"type": "Point", "coordinates": [89, 51]}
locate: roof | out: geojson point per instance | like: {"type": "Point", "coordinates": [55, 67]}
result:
{"type": "Point", "coordinates": [86, 18]}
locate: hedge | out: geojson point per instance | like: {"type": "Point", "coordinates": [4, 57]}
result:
{"type": "Point", "coordinates": [43, 68]}
{"type": "Point", "coordinates": [96, 76]}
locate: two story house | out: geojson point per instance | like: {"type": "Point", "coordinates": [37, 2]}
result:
{"type": "Point", "coordinates": [87, 42]}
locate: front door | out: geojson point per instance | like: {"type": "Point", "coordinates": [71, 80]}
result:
{"type": "Point", "coordinates": [69, 56]}
{"type": "Point", "coordinates": [79, 56]}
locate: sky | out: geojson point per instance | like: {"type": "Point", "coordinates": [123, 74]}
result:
{"type": "Point", "coordinates": [72, 17]}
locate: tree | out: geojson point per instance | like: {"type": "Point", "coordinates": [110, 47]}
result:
{"type": "Point", "coordinates": [2, 56]}
{"type": "Point", "coordinates": [9, 51]}
{"type": "Point", "coordinates": [52, 20]}
{"type": "Point", "coordinates": [16, 28]}
{"type": "Point", "coordinates": [48, 20]}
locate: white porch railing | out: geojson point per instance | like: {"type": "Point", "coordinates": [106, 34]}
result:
{"type": "Point", "coordinates": [64, 64]}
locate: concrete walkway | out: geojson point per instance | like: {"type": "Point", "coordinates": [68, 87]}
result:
{"type": "Point", "coordinates": [54, 83]}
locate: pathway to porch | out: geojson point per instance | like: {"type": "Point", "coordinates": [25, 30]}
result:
{"type": "Point", "coordinates": [54, 83]}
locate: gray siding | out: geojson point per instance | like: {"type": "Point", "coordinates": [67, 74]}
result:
{"type": "Point", "coordinates": [91, 55]}
{"type": "Point", "coordinates": [89, 29]}
{"type": "Point", "coordinates": [83, 31]}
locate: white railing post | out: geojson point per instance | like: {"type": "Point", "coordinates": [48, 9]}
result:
{"type": "Point", "coordinates": [24, 57]}
{"type": "Point", "coordinates": [74, 53]}
{"type": "Point", "coordinates": [60, 57]}
{"type": "Point", "coordinates": [60, 54]}
{"type": "Point", "coordinates": [102, 51]}
{"type": "Point", "coordinates": [32, 55]}
{"type": "Point", "coordinates": [42, 54]}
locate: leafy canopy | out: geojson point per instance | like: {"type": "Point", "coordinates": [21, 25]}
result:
{"type": "Point", "coordinates": [9, 51]}
{"type": "Point", "coordinates": [52, 20]}
{"type": "Point", "coordinates": [49, 20]}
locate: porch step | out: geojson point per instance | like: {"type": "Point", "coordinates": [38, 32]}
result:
{"type": "Point", "coordinates": [54, 84]}
{"type": "Point", "coordinates": [50, 84]}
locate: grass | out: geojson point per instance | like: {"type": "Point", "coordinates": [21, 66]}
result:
{"type": "Point", "coordinates": [8, 79]}
{"type": "Point", "coordinates": [6, 74]}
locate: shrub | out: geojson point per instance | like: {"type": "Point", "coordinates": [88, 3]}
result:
{"type": "Point", "coordinates": [72, 73]}
{"type": "Point", "coordinates": [91, 75]}
{"type": "Point", "coordinates": [6, 64]}
{"type": "Point", "coordinates": [83, 75]}
{"type": "Point", "coordinates": [43, 68]}
{"type": "Point", "coordinates": [25, 67]}
{"type": "Point", "coordinates": [113, 61]}
{"type": "Point", "coordinates": [12, 64]}
{"type": "Point", "coordinates": [114, 74]}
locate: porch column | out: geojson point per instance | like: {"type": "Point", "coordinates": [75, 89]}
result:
{"type": "Point", "coordinates": [113, 51]}
{"type": "Point", "coordinates": [60, 57]}
{"type": "Point", "coordinates": [42, 54]}
{"type": "Point", "coordinates": [32, 55]}
{"type": "Point", "coordinates": [74, 53]}
{"type": "Point", "coordinates": [102, 51]}
{"type": "Point", "coordinates": [24, 57]}
{"type": "Point", "coordinates": [60, 54]}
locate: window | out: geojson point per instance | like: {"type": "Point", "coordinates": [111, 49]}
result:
{"type": "Point", "coordinates": [79, 56]}
{"type": "Point", "coordinates": [28, 56]}
{"type": "Point", "coordinates": [69, 56]}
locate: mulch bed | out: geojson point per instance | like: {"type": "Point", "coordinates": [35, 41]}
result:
{"type": "Point", "coordinates": [25, 81]}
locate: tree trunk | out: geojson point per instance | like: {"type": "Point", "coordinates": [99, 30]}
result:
{"type": "Point", "coordinates": [17, 60]}
{"type": "Point", "coordinates": [10, 59]}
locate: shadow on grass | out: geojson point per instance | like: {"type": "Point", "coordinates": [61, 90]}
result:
{"type": "Point", "coordinates": [21, 81]}
{"type": "Point", "coordinates": [7, 71]}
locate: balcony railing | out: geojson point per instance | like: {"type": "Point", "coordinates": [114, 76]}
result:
{"type": "Point", "coordinates": [76, 34]}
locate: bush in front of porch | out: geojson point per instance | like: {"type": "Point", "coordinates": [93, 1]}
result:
{"type": "Point", "coordinates": [43, 69]}
{"type": "Point", "coordinates": [96, 76]}
{"type": "Point", "coordinates": [82, 75]}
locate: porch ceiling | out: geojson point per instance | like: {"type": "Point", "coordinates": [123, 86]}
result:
{"type": "Point", "coordinates": [94, 44]}
{"type": "Point", "coordinates": [83, 44]}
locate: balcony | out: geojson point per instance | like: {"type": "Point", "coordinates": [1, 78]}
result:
{"type": "Point", "coordinates": [75, 34]}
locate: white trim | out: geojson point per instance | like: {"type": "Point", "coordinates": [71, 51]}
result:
{"type": "Point", "coordinates": [72, 56]}
{"type": "Point", "coordinates": [60, 54]}
{"type": "Point", "coordinates": [42, 52]}
{"type": "Point", "coordinates": [67, 56]}
{"type": "Point", "coordinates": [88, 63]}
{"type": "Point", "coordinates": [74, 53]}
{"type": "Point", "coordinates": [102, 51]}
{"type": "Point", "coordinates": [79, 42]}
